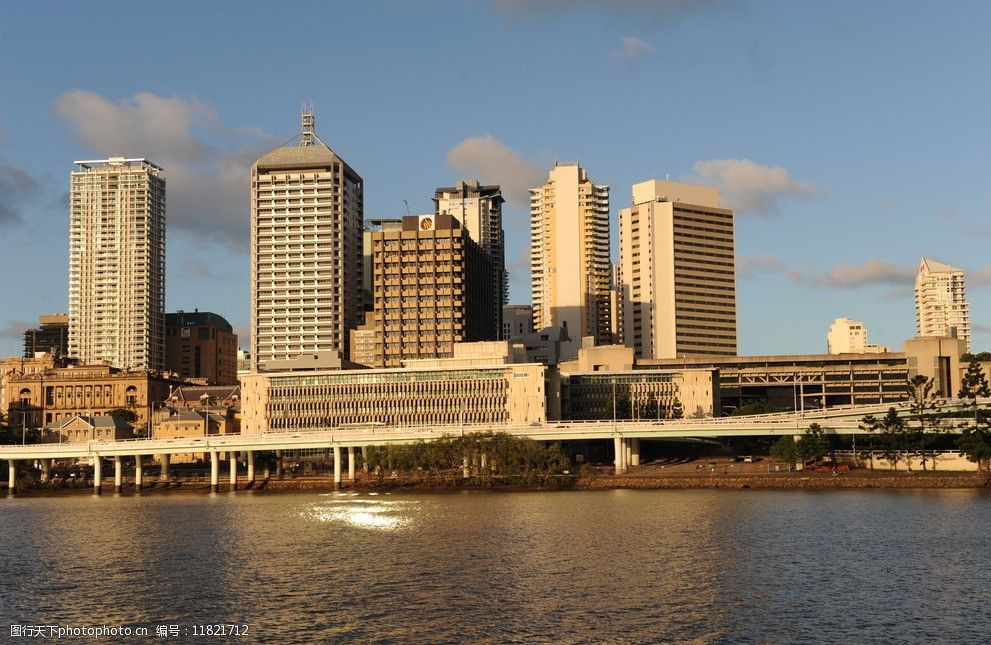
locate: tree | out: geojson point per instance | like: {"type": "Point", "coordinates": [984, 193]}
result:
{"type": "Point", "coordinates": [677, 410]}
{"type": "Point", "coordinates": [123, 415]}
{"type": "Point", "coordinates": [815, 443]}
{"type": "Point", "coordinates": [869, 424]}
{"type": "Point", "coordinates": [975, 441]}
{"type": "Point", "coordinates": [925, 421]}
{"type": "Point", "coordinates": [892, 438]}
{"type": "Point", "coordinates": [755, 408]}
{"type": "Point", "coordinates": [785, 449]}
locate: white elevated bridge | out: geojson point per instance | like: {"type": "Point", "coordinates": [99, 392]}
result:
{"type": "Point", "coordinates": [625, 434]}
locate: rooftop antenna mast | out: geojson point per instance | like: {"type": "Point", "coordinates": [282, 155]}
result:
{"type": "Point", "coordinates": [407, 206]}
{"type": "Point", "coordinates": [309, 119]}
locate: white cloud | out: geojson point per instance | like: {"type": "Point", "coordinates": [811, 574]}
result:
{"type": "Point", "coordinates": [632, 51]}
{"type": "Point", "coordinates": [654, 11]}
{"type": "Point", "coordinates": [846, 276]}
{"type": "Point", "coordinates": [749, 187]}
{"type": "Point", "coordinates": [492, 162]}
{"type": "Point", "coordinates": [748, 267]}
{"type": "Point", "coordinates": [979, 278]}
{"type": "Point", "coordinates": [206, 162]}
{"type": "Point", "coordinates": [17, 186]}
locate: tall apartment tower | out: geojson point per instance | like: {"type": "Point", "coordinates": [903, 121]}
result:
{"type": "Point", "coordinates": [941, 307]}
{"type": "Point", "coordinates": [569, 254]}
{"type": "Point", "coordinates": [847, 336]}
{"type": "Point", "coordinates": [306, 250]}
{"type": "Point", "coordinates": [51, 337]}
{"type": "Point", "coordinates": [479, 209]}
{"type": "Point", "coordinates": [117, 263]}
{"type": "Point", "coordinates": [677, 257]}
{"type": "Point", "coordinates": [432, 286]}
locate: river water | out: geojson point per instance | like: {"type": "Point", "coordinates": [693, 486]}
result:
{"type": "Point", "coordinates": [611, 566]}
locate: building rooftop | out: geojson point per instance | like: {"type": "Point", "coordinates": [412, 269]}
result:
{"type": "Point", "coordinates": [198, 318]}
{"type": "Point", "coordinates": [935, 266]}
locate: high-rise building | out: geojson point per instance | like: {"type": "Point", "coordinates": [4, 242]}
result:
{"type": "Point", "coordinates": [306, 237]}
{"type": "Point", "coordinates": [517, 320]}
{"type": "Point", "coordinates": [479, 209]}
{"type": "Point", "coordinates": [117, 263]}
{"type": "Point", "coordinates": [50, 337]}
{"type": "Point", "coordinates": [432, 289]}
{"type": "Point", "coordinates": [847, 336]}
{"type": "Point", "coordinates": [941, 307]}
{"type": "Point", "coordinates": [569, 254]}
{"type": "Point", "coordinates": [201, 345]}
{"type": "Point", "coordinates": [677, 256]}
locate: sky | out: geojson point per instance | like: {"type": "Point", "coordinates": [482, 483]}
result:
{"type": "Point", "coordinates": [851, 137]}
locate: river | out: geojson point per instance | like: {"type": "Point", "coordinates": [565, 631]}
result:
{"type": "Point", "coordinates": [611, 566]}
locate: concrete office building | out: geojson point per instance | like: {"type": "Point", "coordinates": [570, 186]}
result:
{"type": "Point", "coordinates": [516, 321]}
{"type": "Point", "coordinates": [477, 385]}
{"type": "Point", "coordinates": [117, 263]}
{"type": "Point", "coordinates": [569, 254]}
{"type": "Point", "coordinates": [432, 289]}
{"type": "Point", "coordinates": [847, 336]}
{"type": "Point", "coordinates": [479, 209]}
{"type": "Point", "coordinates": [677, 258]}
{"type": "Point", "coordinates": [201, 345]}
{"type": "Point", "coordinates": [306, 237]}
{"type": "Point", "coordinates": [50, 337]}
{"type": "Point", "coordinates": [816, 381]}
{"type": "Point", "coordinates": [941, 307]}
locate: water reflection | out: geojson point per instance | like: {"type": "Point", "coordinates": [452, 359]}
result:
{"type": "Point", "coordinates": [365, 513]}
{"type": "Point", "coordinates": [621, 566]}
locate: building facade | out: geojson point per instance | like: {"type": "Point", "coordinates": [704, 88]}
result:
{"type": "Point", "coordinates": [52, 395]}
{"type": "Point", "coordinates": [479, 209]}
{"type": "Point", "coordinates": [569, 254]}
{"type": "Point", "coordinates": [306, 238]}
{"type": "Point", "coordinates": [432, 289]}
{"type": "Point", "coordinates": [201, 345]}
{"type": "Point", "coordinates": [678, 271]}
{"type": "Point", "coordinates": [50, 337]}
{"type": "Point", "coordinates": [817, 381]}
{"type": "Point", "coordinates": [117, 263]}
{"type": "Point", "coordinates": [941, 307]}
{"type": "Point", "coordinates": [847, 336]}
{"type": "Point", "coordinates": [517, 320]}
{"type": "Point", "coordinates": [450, 396]}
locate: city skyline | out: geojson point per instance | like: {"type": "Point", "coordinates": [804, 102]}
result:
{"type": "Point", "coordinates": [837, 196]}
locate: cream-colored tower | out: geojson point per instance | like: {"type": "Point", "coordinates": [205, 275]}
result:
{"type": "Point", "coordinates": [846, 336]}
{"type": "Point", "coordinates": [677, 258]}
{"type": "Point", "coordinates": [306, 241]}
{"type": "Point", "coordinates": [569, 254]}
{"type": "Point", "coordinates": [479, 209]}
{"type": "Point", "coordinates": [117, 263]}
{"type": "Point", "coordinates": [941, 307]}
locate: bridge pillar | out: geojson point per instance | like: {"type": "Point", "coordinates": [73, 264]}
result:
{"type": "Point", "coordinates": [118, 474]}
{"type": "Point", "coordinates": [97, 475]}
{"type": "Point", "coordinates": [164, 460]}
{"type": "Point", "coordinates": [618, 454]}
{"type": "Point", "coordinates": [364, 459]}
{"type": "Point", "coordinates": [138, 473]}
{"type": "Point", "coordinates": [11, 476]}
{"type": "Point", "coordinates": [634, 452]}
{"type": "Point", "coordinates": [214, 471]}
{"type": "Point", "coordinates": [46, 470]}
{"type": "Point", "coordinates": [232, 459]}
{"type": "Point", "coordinates": [251, 466]}
{"type": "Point", "coordinates": [351, 463]}
{"type": "Point", "coordinates": [337, 467]}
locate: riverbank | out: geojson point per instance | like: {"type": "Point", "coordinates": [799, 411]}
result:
{"type": "Point", "coordinates": [645, 479]}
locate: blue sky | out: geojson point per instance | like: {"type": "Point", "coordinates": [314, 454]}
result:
{"type": "Point", "coordinates": [851, 137]}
